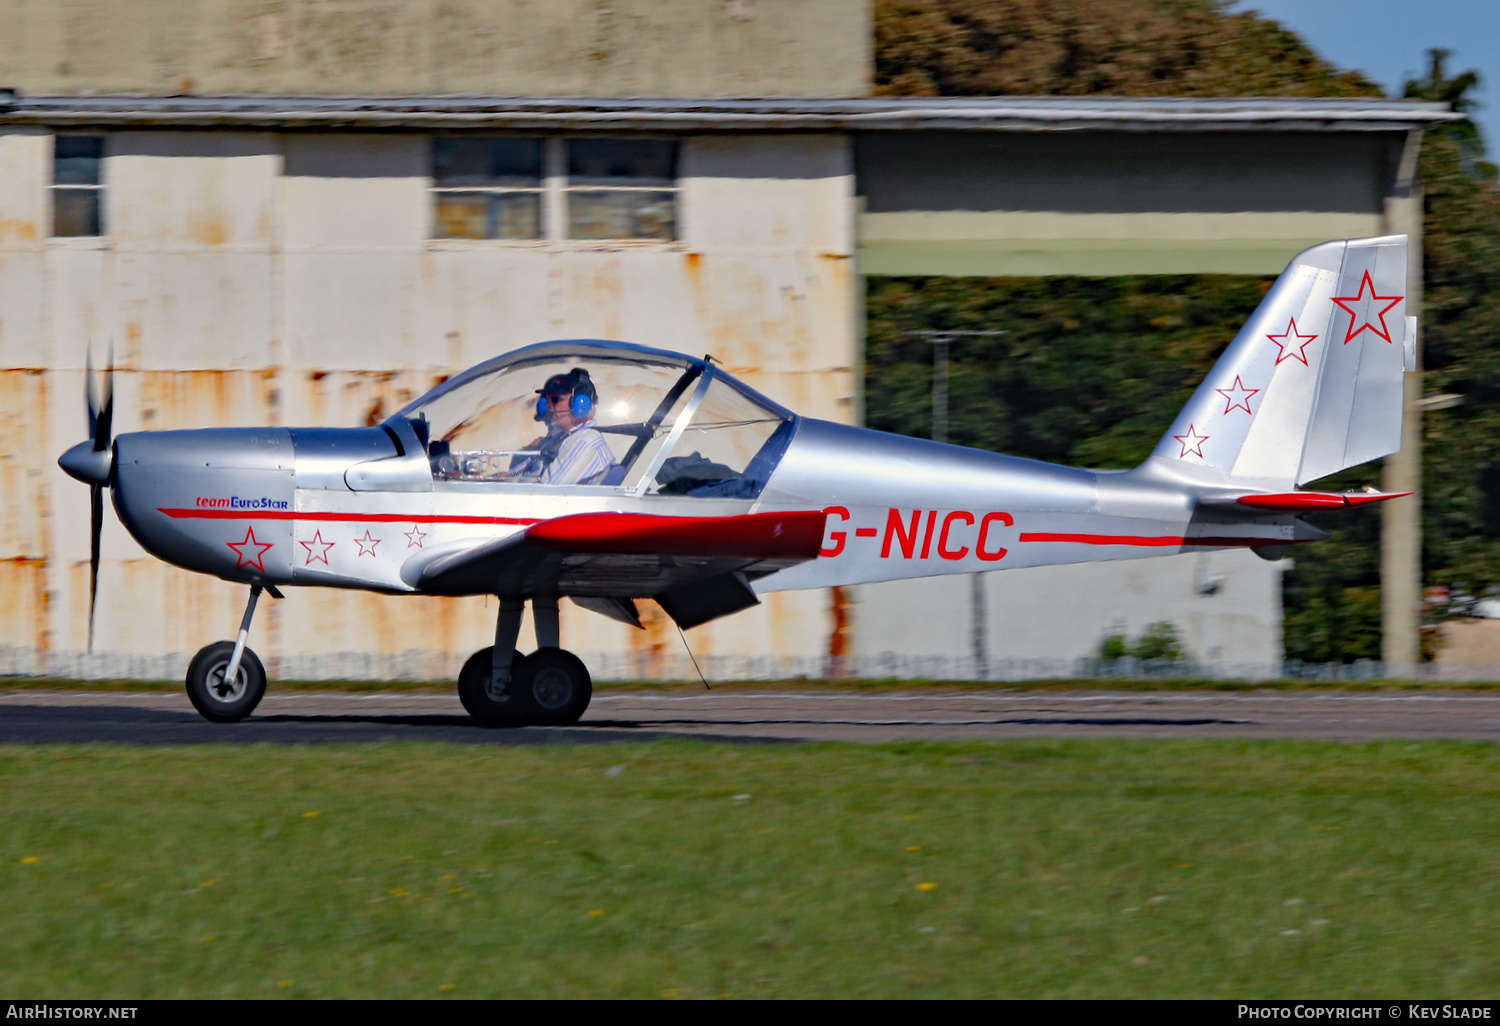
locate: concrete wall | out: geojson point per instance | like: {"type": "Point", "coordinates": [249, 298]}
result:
{"type": "Point", "coordinates": [1096, 203]}
{"type": "Point", "coordinates": [428, 47]}
{"type": "Point", "coordinates": [1042, 621]}
{"type": "Point", "coordinates": [266, 279]}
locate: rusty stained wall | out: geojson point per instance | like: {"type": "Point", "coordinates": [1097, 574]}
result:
{"type": "Point", "coordinates": [428, 47]}
{"type": "Point", "coordinates": [261, 279]}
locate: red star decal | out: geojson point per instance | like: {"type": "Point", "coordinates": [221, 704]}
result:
{"type": "Point", "coordinates": [1192, 442]}
{"type": "Point", "coordinates": [1365, 284]}
{"type": "Point", "coordinates": [247, 557]}
{"type": "Point", "coordinates": [1238, 397]}
{"type": "Point", "coordinates": [321, 556]}
{"type": "Point", "coordinates": [366, 544]}
{"type": "Point", "coordinates": [1295, 349]}
{"type": "Point", "coordinates": [414, 537]}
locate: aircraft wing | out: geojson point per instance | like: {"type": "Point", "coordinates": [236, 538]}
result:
{"type": "Point", "coordinates": [692, 565]}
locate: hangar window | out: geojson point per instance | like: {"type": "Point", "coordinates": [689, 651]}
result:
{"type": "Point", "coordinates": [504, 187]}
{"type": "Point", "coordinates": [77, 185]}
{"type": "Point", "coordinates": [622, 189]}
{"type": "Point", "coordinates": [487, 188]}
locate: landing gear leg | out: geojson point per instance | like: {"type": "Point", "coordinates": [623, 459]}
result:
{"type": "Point", "coordinates": [503, 655]}
{"type": "Point", "coordinates": [239, 642]}
{"type": "Point", "coordinates": [486, 682]}
{"type": "Point", "coordinates": [226, 681]}
{"type": "Point", "coordinates": [553, 686]}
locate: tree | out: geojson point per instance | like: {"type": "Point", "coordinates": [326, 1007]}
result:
{"type": "Point", "coordinates": [1083, 47]}
{"type": "Point", "coordinates": [1461, 347]}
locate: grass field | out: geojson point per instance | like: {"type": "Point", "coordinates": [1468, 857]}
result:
{"type": "Point", "coordinates": [1035, 868]}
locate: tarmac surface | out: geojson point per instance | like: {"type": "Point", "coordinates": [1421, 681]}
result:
{"type": "Point", "coordinates": [806, 714]}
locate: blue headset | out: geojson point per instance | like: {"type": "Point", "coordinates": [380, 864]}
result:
{"type": "Point", "coordinates": [580, 405]}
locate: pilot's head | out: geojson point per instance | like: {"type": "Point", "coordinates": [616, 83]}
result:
{"type": "Point", "coordinates": [567, 400]}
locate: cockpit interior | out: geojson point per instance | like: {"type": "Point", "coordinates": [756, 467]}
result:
{"type": "Point", "coordinates": [601, 415]}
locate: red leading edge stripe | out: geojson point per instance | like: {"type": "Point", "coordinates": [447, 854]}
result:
{"type": "Point", "coordinates": [796, 534]}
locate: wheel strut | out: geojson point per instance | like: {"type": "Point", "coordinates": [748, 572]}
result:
{"type": "Point", "coordinates": [244, 635]}
{"type": "Point", "coordinates": [507, 630]}
{"type": "Point", "coordinates": [545, 620]}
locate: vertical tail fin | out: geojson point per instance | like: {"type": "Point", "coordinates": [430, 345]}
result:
{"type": "Point", "coordinates": [1313, 382]}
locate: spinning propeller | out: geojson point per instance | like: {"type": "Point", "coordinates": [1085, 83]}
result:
{"type": "Point", "coordinates": [91, 463]}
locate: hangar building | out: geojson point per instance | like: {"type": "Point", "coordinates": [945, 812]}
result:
{"type": "Point", "coordinates": [300, 212]}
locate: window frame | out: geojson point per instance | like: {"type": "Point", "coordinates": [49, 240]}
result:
{"type": "Point", "coordinates": [539, 190]}
{"type": "Point", "coordinates": [570, 190]}
{"type": "Point", "coordinates": [98, 189]}
{"type": "Point", "coordinates": [555, 191]}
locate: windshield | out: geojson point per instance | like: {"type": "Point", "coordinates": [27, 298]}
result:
{"type": "Point", "coordinates": [602, 413]}
{"type": "Point", "coordinates": [554, 419]}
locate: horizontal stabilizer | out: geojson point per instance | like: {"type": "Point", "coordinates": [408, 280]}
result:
{"type": "Point", "coordinates": [1302, 502]}
{"type": "Point", "coordinates": [796, 535]}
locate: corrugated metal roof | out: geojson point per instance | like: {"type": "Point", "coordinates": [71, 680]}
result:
{"type": "Point", "coordinates": [1005, 113]}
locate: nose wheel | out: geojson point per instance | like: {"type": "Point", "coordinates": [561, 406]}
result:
{"type": "Point", "coordinates": [219, 694]}
{"type": "Point", "coordinates": [226, 680]}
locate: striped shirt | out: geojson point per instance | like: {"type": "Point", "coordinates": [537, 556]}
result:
{"type": "Point", "coordinates": [583, 458]}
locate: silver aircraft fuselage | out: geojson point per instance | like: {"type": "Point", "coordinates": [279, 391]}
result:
{"type": "Point", "coordinates": [276, 506]}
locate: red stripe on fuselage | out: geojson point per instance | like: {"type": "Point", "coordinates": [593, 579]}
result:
{"type": "Point", "coordinates": [353, 518]}
{"type": "Point", "coordinates": [1158, 541]}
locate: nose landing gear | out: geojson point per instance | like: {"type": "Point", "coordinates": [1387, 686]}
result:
{"type": "Point", "coordinates": [226, 681]}
{"type": "Point", "coordinates": [499, 687]}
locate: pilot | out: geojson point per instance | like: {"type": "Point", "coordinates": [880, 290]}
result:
{"type": "Point", "coordinates": [573, 451]}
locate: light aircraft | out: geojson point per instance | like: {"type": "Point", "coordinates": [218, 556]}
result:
{"type": "Point", "coordinates": [606, 472]}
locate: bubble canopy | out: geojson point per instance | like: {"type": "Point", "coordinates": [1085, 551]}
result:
{"type": "Point", "coordinates": [672, 424]}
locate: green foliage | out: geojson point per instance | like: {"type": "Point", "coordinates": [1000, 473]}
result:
{"type": "Point", "coordinates": [1114, 646]}
{"type": "Point", "coordinates": [1461, 349]}
{"type": "Point", "coordinates": [1090, 371]}
{"type": "Point", "coordinates": [1157, 641]}
{"type": "Point", "coordinates": [1081, 47]}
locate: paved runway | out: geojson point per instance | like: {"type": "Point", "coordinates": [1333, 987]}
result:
{"type": "Point", "coordinates": [768, 715]}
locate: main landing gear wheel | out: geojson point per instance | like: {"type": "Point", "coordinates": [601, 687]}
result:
{"type": "Point", "coordinates": [552, 687]}
{"type": "Point", "coordinates": [220, 699]}
{"type": "Point", "coordinates": [474, 690]}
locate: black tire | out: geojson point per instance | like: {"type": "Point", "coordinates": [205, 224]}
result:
{"type": "Point", "coordinates": [474, 690]}
{"type": "Point", "coordinates": [211, 696]}
{"type": "Point", "coordinates": [553, 688]}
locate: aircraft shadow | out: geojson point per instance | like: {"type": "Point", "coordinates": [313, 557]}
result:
{"type": "Point", "coordinates": [51, 724]}
{"type": "Point", "coordinates": [1086, 721]}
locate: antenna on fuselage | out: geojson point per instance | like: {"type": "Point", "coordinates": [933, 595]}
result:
{"type": "Point", "coordinates": [693, 658]}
